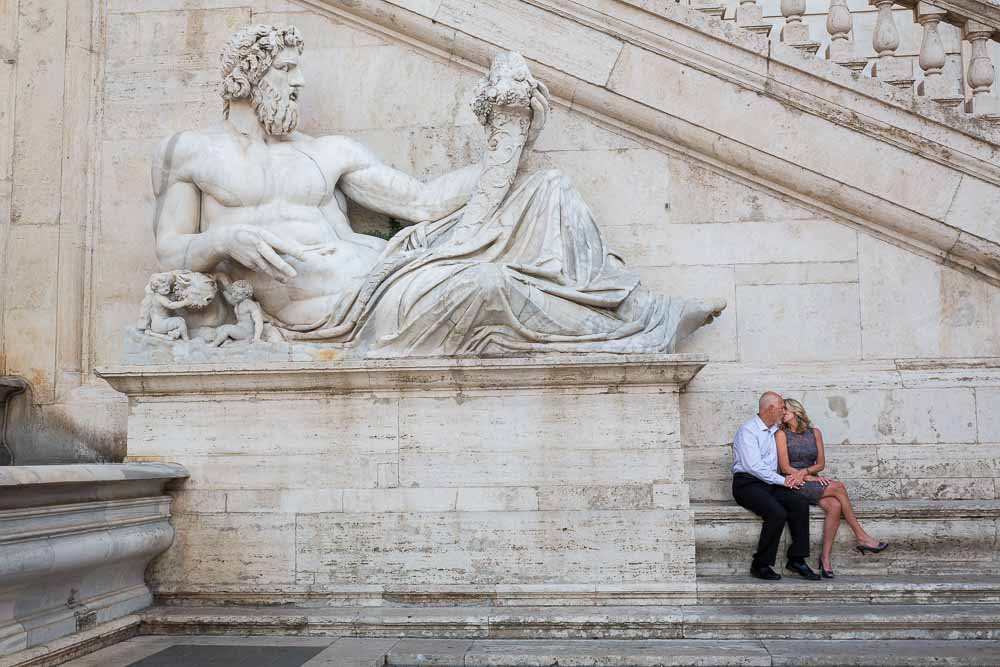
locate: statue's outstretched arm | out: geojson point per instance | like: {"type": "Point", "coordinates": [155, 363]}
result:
{"type": "Point", "coordinates": [381, 188]}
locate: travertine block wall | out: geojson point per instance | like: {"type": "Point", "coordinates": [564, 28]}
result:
{"type": "Point", "coordinates": [807, 294]}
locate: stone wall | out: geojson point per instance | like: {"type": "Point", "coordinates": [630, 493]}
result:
{"type": "Point", "coordinates": [809, 296]}
{"type": "Point", "coordinates": [50, 78]}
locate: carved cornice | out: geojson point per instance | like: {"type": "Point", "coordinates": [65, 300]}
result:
{"type": "Point", "coordinates": [555, 371]}
{"type": "Point", "coordinates": [586, 82]}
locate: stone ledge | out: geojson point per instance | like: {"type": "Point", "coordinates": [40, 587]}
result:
{"type": "Point", "coordinates": [24, 487]}
{"type": "Point", "coordinates": [450, 374]}
{"type": "Point", "coordinates": [938, 510]}
{"type": "Point", "coordinates": [692, 622]}
{"type": "Point", "coordinates": [66, 648]}
{"type": "Point", "coordinates": [854, 590]}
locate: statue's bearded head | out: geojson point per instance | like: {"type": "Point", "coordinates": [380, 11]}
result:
{"type": "Point", "coordinates": [260, 63]}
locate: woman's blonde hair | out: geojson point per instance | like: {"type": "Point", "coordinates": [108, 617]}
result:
{"type": "Point", "coordinates": [804, 423]}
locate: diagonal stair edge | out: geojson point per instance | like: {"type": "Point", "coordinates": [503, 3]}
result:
{"type": "Point", "coordinates": [888, 163]}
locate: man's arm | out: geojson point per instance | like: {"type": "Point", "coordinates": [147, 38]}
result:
{"type": "Point", "coordinates": [748, 453]}
{"type": "Point", "coordinates": [180, 244]}
{"type": "Point", "coordinates": [381, 188]}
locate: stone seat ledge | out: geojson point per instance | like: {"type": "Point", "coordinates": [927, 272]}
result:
{"type": "Point", "coordinates": [714, 512]}
{"type": "Point", "coordinates": [23, 487]}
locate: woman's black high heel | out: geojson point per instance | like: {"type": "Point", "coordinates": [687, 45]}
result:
{"type": "Point", "coordinates": [827, 574]}
{"type": "Point", "coordinates": [863, 549]}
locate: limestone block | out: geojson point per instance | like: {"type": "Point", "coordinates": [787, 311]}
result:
{"type": "Point", "coordinates": [8, 95]}
{"type": "Point", "coordinates": [804, 322]}
{"type": "Point", "coordinates": [30, 306]}
{"type": "Point", "coordinates": [536, 34]}
{"type": "Point", "coordinates": [350, 428]}
{"type": "Point", "coordinates": [497, 499]}
{"type": "Point", "coordinates": [379, 105]}
{"type": "Point", "coordinates": [872, 488]}
{"type": "Point", "coordinates": [708, 463]}
{"type": "Point", "coordinates": [711, 490]}
{"type": "Point", "coordinates": [704, 282]}
{"type": "Point", "coordinates": [988, 414]}
{"type": "Point", "coordinates": [700, 194]}
{"type": "Point", "coordinates": [567, 130]}
{"type": "Point", "coordinates": [948, 489]}
{"type": "Point", "coordinates": [898, 322]}
{"type": "Point", "coordinates": [671, 496]}
{"type": "Point", "coordinates": [400, 500]}
{"type": "Point", "coordinates": [425, 152]}
{"type": "Point", "coordinates": [580, 497]}
{"type": "Point", "coordinates": [221, 549]}
{"type": "Point", "coordinates": [140, 6]}
{"type": "Point", "coordinates": [489, 547]}
{"type": "Point", "coordinates": [288, 501]}
{"type": "Point", "coordinates": [486, 439]}
{"type": "Point", "coordinates": [303, 471]}
{"type": "Point", "coordinates": [711, 418]}
{"type": "Point", "coordinates": [970, 317]}
{"type": "Point", "coordinates": [182, 38]}
{"type": "Point", "coordinates": [38, 125]}
{"type": "Point", "coordinates": [797, 274]}
{"type": "Point", "coordinates": [930, 461]}
{"type": "Point", "coordinates": [602, 176]}
{"type": "Point", "coordinates": [894, 416]}
{"type": "Point", "coordinates": [976, 208]}
{"type": "Point", "coordinates": [734, 243]}
{"type": "Point", "coordinates": [853, 461]}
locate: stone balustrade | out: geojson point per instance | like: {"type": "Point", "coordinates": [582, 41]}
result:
{"type": "Point", "coordinates": [943, 51]}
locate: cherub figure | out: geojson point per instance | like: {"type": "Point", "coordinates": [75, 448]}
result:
{"type": "Point", "coordinates": [155, 318]}
{"type": "Point", "coordinates": [249, 316]}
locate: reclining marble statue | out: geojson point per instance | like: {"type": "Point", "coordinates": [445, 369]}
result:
{"type": "Point", "coordinates": [481, 267]}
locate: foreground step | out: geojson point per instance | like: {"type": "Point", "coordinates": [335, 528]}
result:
{"type": "Point", "coordinates": [745, 590]}
{"type": "Point", "coordinates": [353, 652]}
{"type": "Point", "coordinates": [866, 621]}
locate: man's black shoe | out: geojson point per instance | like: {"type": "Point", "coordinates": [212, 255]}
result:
{"type": "Point", "coordinates": [764, 573]}
{"type": "Point", "coordinates": [803, 570]}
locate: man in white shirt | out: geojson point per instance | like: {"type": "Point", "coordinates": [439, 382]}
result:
{"type": "Point", "coordinates": [758, 487]}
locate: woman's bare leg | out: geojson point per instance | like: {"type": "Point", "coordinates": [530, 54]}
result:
{"type": "Point", "coordinates": [837, 490]}
{"type": "Point", "coordinates": [831, 522]}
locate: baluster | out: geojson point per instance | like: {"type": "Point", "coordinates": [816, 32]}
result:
{"type": "Point", "coordinates": [795, 32]}
{"type": "Point", "coordinates": [750, 16]}
{"type": "Point", "coordinates": [897, 71]}
{"type": "Point", "coordinates": [981, 71]}
{"type": "Point", "coordinates": [933, 58]}
{"type": "Point", "coordinates": [839, 24]}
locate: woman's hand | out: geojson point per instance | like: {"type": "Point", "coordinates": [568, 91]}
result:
{"type": "Point", "coordinates": [825, 481]}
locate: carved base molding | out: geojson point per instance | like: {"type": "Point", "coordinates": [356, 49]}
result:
{"type": "Point", "coordinates": [535, 480]}
{"type": "Point", "coordinates": [74, 545]}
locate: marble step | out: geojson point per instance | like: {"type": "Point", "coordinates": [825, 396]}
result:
{"type": "Point", "coordinates": [745, 590]}
{"type": "Point", "coordinates": [354, 652]}
{"type": "Point", "coordinates": [808, 621]}
{"type": "Point", "coordinates": [663, 653]}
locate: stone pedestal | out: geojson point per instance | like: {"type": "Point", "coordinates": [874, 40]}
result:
{"type": "Point", "coordinates": [542, 480]}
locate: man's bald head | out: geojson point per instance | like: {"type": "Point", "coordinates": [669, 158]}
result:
{"type": "Point", "coordinates": [769, 407]}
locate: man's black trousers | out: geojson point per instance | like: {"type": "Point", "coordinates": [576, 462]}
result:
{"type": "Point", "coordinates": [775, 504]}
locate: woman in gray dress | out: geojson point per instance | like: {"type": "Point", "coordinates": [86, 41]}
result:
{"type": "Point", "coordinates": [801, 454]}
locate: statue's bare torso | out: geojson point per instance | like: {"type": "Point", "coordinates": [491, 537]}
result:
{"type": "Point", "coordinates": [287, 187]}
{"type": "Point", "coordinates": [291, 187]}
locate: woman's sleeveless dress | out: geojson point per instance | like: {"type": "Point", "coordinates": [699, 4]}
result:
{"type": "Point", "coordinates": [802, 453]}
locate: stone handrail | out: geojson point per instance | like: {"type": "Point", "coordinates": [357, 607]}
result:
{"type": "Point", "coordinates": [952, 76]}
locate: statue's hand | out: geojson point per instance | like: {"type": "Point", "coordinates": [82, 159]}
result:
{"type": "Point", "coordinates": [260, 250]}
{"type": "Point", "coordinates": [540, 100]}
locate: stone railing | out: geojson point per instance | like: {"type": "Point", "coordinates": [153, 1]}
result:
{"type": "Point", "coordinates": [943, 51]}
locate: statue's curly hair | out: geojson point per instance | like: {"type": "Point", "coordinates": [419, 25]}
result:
{"type": "Point", "coordinates": [247, 56]}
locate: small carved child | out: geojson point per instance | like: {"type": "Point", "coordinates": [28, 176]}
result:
{"type": "Point", "coordinates": [249, 316]}
{"type": "Point", "coordinates": [155, 317]}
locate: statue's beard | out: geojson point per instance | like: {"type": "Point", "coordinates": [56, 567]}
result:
{"type": "Point", "coordinates": [279, 114]}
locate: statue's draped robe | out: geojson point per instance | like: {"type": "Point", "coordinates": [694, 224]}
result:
{"type": "Point", "coordinates": [536, 276]}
